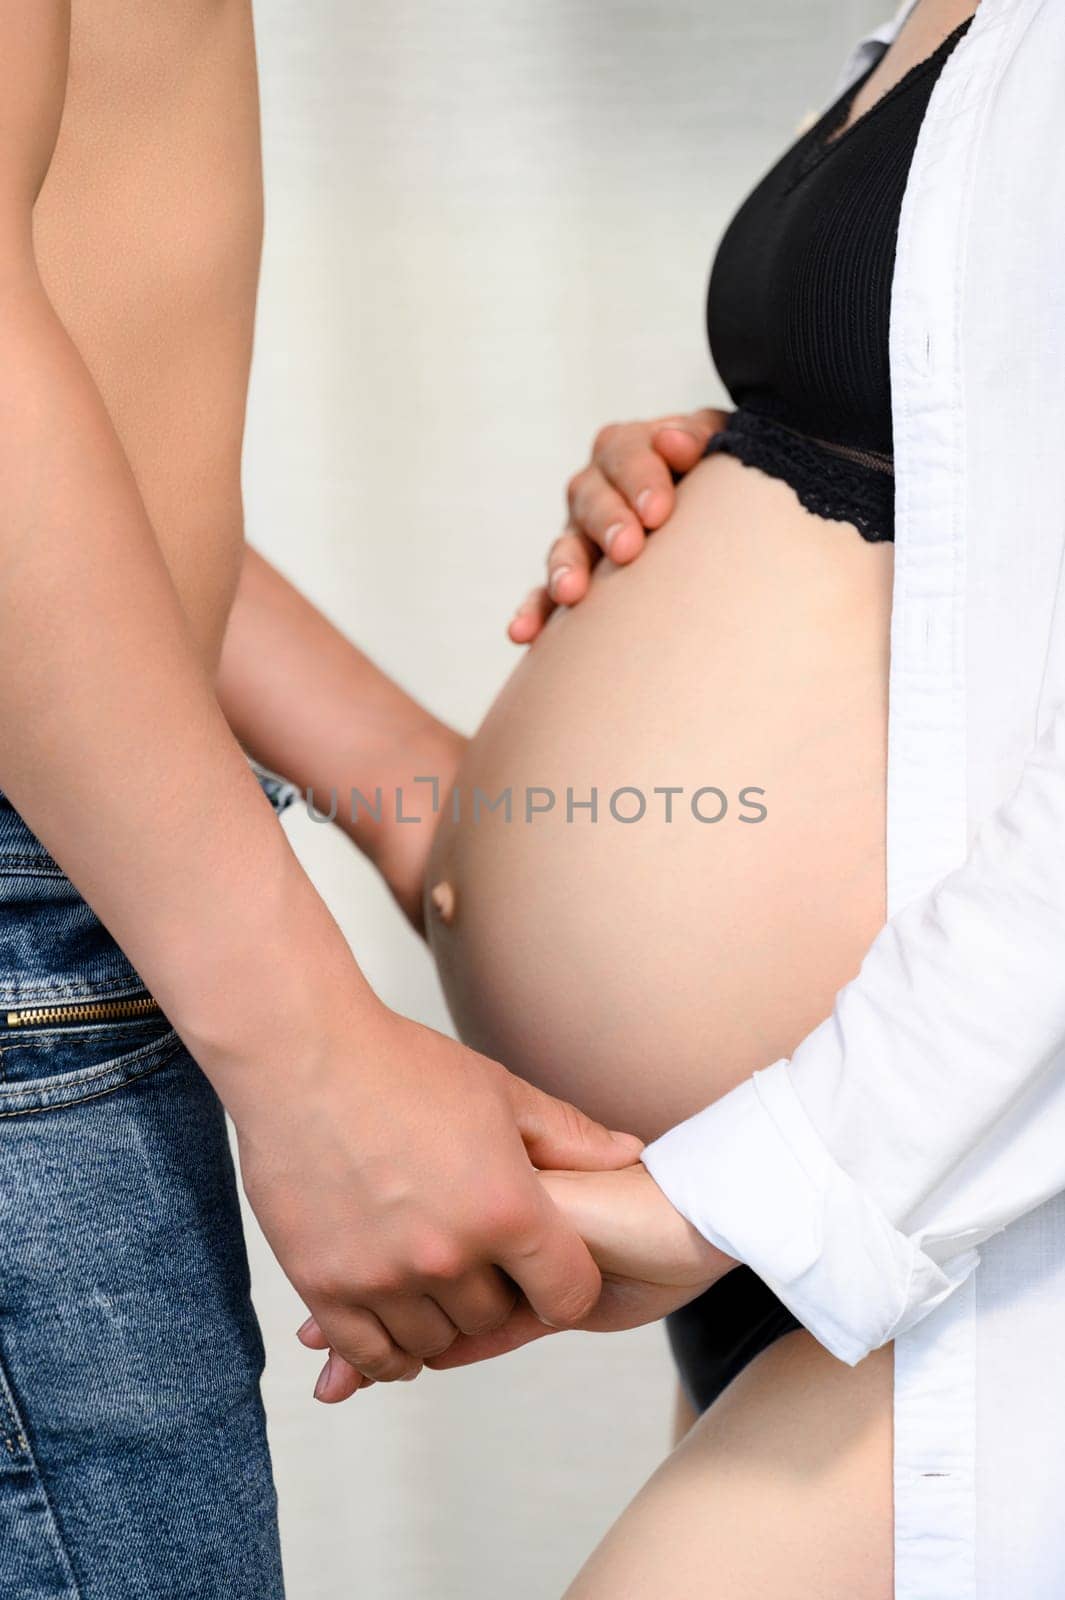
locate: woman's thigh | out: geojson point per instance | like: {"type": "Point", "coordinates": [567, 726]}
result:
{"type": "Point", "coordinates": [782, 1491]}
{"type": "Point", "coordinates": [133, 1456]}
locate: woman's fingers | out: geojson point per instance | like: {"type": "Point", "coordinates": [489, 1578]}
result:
{"type": "Point", "coordinates": [599, 511]}
{"type": "Point", "coordinates": [628, 486]}
{"type": "Point", "coordinates": [635, 481]}
{"type": "Point", "coordinates": [569, 567]}
{"type": "Point", "coordinates": [625, 491]}
{"type": "Point", "coordinates": [530, 616]}
{"type": "Point", "coordinates": [681, 441]}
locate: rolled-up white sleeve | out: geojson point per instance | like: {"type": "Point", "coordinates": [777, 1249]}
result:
{"type": "Point", "coordinates": [858, 1177]}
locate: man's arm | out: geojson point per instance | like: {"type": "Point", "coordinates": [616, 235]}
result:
{"type": "Point", "coordinates": [113, 747]}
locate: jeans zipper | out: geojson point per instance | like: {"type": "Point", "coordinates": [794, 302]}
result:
{"type": "Point", "coordinates": [89, 1011]}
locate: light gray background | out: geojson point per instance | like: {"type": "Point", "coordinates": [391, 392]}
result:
{"type": "Point", "coordinates": [489, 227]}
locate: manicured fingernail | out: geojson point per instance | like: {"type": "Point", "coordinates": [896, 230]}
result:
{"type": "Point", "coordinates": [556, 578]}
{"type": "Point", "coordinates": [323, 1379]}
{"type": "Point", "coordinates": [611, 534]}
{"type": "Point", "coordinates": [643, 501]}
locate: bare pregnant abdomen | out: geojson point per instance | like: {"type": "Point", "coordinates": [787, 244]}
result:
{"type": "Point", "coordinates": [723, 703]}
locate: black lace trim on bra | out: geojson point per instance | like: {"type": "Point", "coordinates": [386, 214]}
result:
{"type": "Point", "coordinates": [839, 482]}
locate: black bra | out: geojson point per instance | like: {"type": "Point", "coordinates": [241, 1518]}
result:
{"type": "Point", "coordinates": [799, 303]}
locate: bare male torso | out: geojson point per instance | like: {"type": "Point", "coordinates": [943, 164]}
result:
{"type": "Point", "coordinates": [148, 232]}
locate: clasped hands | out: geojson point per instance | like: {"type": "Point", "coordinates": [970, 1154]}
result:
{"type": "Point", "coordinates": [650, 1259]}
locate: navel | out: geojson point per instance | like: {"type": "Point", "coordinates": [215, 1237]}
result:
{"type": "Point", "coordinates": [442, 899]}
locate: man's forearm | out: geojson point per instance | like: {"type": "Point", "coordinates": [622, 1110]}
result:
{"type": "Point", "coordinates": [112, 744]}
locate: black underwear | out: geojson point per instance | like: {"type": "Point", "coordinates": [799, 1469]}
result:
{"type": "Point", "coordinates": [713, 1338]}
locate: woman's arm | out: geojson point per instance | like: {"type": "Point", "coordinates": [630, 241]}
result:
{"type": "Point", "coordinates": [306, 703]}
{"type": "Point", "coordinates": [113, 747]}
{"type": "Point", "coordinates": [925, 1114]}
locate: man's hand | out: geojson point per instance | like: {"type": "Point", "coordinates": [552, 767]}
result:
{"type": "Point", "coordinates": [624, 492]}
{"type": "Point", "coordinates": [395, 1181]}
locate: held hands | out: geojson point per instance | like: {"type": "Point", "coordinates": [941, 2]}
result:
{"type": "Point", "coordinates": [651, 1259]}
{"type": "Point", "coordinates": [624, 492]}
{"type": "Point", "coordinates": [395, 1183]}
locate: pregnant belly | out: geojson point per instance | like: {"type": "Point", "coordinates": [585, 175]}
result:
{"type": "Point", "coordinates": [691, 859]}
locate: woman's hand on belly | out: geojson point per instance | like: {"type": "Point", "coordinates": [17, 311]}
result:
{"type": "Point", "coordinates": [625, 490]}
{"type": "Point", "coordinates": [652, 1260]}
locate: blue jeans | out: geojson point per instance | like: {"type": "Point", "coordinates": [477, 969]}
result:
{"type": "Point", "coordinates": [133, 1454]}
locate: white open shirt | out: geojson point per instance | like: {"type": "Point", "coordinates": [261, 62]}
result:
{"type": "Point", "coordinates": [902, 1175]}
